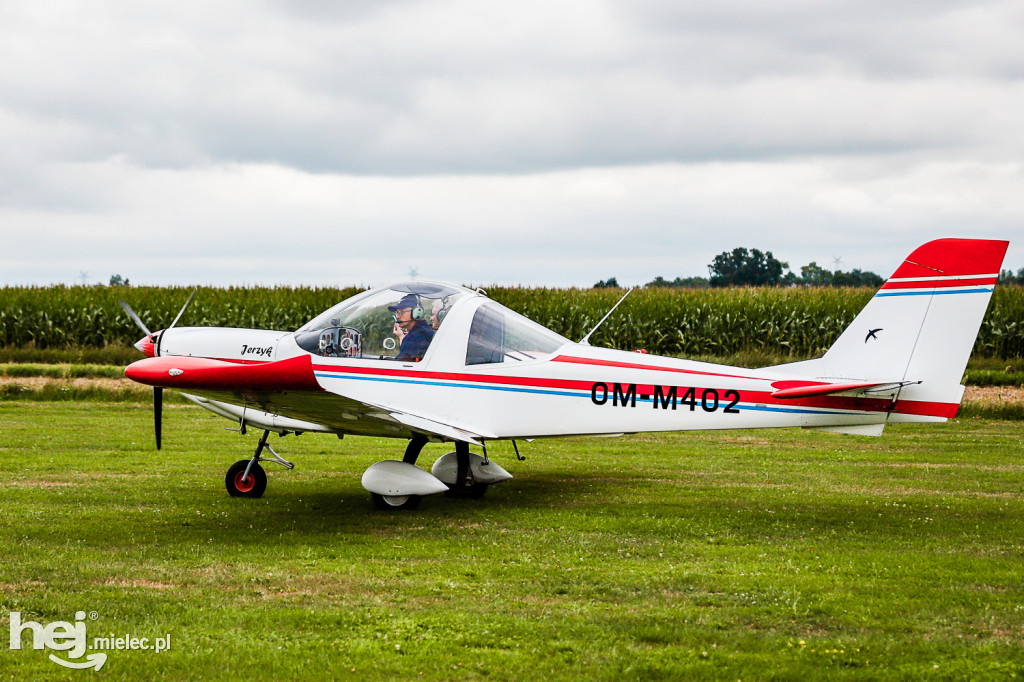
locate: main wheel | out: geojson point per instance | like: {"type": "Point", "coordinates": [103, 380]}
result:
{"type": "Point", "coordinates": [388, 502]}
{"type": "Point", "coordinates": [468, 492]}
{"type": "Point", "coordinates": [253, 486]}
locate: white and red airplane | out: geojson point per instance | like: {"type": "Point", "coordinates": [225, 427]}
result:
{"type": "Point", "coordinates": [432, 362]}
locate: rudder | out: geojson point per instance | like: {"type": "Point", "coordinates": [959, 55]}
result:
{"type": "Point", "coordinates": [922, 324]}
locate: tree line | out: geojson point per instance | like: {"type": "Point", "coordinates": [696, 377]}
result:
{"type": "Point", "coordinates": [1007, 277]}
{"type": "Point", "coordinates": [744, 267]}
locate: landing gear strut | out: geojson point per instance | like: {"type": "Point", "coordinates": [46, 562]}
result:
{"type": "Point", "coordinates": [413, 450]}
{"type": "Point", "coordinates": [465, 486]}
{"type": "Point", "coordinates": [246, 478]}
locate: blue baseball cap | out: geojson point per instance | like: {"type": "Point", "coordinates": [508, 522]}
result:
{"type": "Point", "coordinates": [408, 301]}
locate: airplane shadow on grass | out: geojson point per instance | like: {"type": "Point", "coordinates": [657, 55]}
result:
{"type": "Point", "coordinates": [579, 503]}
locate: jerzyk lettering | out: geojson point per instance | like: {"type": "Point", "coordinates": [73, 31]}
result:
{"type": "Point", "coordinates": [265, 351]}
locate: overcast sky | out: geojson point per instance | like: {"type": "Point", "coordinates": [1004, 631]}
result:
{"type": "Point", "coordinates": [541, 143]}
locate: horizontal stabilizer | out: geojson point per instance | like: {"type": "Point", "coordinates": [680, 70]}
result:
{"type": "Point", "coordinates": [791, 390]}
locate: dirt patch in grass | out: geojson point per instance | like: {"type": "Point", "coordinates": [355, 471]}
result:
{"type": "Point", "coordinates": [78, 479]}
{"type": "Point", "coordinates": [12, 588]}
{"type": "Point", "coordinates": [967, 466]}
{"type": "Point", "coordinates": [140, 582]}
{"type": "Point", "coordinates": [759, 441]}
{"type": "Point", "coordinates": [38, 484]}
{"type": "Point", "coordinates": [39, 383]}
{"type": "Point", "coordinates": [994, 394]}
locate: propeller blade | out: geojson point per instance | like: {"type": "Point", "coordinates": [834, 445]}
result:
{"type": "Point", "coordinates": [158, 409]}
{"type": "Point", "coordinates": [182, 311]}
{"type": "Point", "coordinates": [135, 318]}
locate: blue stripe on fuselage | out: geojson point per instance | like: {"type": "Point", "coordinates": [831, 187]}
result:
{"type": "Point", "coordinates": [569, 394]}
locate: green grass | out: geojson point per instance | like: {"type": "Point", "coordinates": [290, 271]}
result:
{"type": "Point", "coordinates": [754, 555]}
{"type": "Point", "coordinates": [997, 377]}
{"type": "Point", "coordinates": [111, 354]}
{"type": "Point", "coordinates": [992, 364]}
{"type": "Point", "coordinates": [981, 410]}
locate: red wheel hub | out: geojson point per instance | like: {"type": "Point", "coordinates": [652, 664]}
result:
{"type": "Point", "coordinates": [243, 485]}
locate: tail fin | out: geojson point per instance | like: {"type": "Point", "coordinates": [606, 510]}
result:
{"type": "Point", "coordinates": [921, 326]}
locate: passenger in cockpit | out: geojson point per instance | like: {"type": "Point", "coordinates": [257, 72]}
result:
{"type": "Point", "coordinates": [440, 309]}
{"type": "Point", "coordinates": [411, 329]}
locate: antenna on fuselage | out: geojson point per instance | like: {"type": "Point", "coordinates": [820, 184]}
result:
{"type": "Point", "coordinates": [585, 341]}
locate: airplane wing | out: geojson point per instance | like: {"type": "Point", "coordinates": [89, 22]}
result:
{"type": "Point", "coordinates": [290, 389]}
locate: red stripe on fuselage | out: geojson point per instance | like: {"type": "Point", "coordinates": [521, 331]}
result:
{"type": "Point", "coordinates": [651, 368]}
{"type": "Point", "coordinates": [457, 376]}
{"type": "Point", "coordinates": [857, 404]}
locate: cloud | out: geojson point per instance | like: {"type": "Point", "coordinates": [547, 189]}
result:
{"type": "Point", "coordinates": [272, 224]}
{"type": "Point", "coordinates": [462, 87]}
{"type": "Point", "coordinates": [492, 142]}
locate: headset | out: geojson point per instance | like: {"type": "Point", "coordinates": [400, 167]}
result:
{"type": "Point", "coordinates": [417, 310]}
{"type": "Point", "coordinates": [415, 313]}
{"type": "Point", "coordinates": [443, 311]}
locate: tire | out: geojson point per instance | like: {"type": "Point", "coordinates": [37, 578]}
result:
{"type": "Point", "coordinates": [254, 487]}
{"type": "Point", "coordinates": [390, 502]}
{"type": "Point", "coordinates": [469, 492]}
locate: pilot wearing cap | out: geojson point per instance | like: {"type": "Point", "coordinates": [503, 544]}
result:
{"type": "Point", "coordinates": [410, 327]}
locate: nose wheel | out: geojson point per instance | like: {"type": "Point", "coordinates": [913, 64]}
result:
{"type": "Point", "coordinates": [240, 484]}
{"type": "Point", "coordinates": [246, 478]}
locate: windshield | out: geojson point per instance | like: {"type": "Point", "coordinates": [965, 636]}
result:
{"type": "Point", "coordinates": [396, 323]}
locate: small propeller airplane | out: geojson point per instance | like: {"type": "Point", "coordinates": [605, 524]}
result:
{"type": "Point", "coordinates": [432, 362]}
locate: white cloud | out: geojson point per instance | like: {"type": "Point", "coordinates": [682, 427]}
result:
{"type": "Point", "coordinates": [270, 224]}
{"type": "Point", "coordinates": [532, 142]}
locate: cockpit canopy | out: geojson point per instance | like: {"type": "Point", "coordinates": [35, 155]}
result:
{"type": "Point", "coordinates": [366, 326]}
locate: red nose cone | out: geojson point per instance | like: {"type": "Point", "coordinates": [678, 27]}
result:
{"type": "Point", "coordinates": [147, 345]}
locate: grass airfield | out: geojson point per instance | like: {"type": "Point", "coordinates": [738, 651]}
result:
{"type": "Point", "coordinates": [729, 555]}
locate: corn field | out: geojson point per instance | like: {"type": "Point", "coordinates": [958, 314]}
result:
{"type": "Point", "coordinates": [797, 323]}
